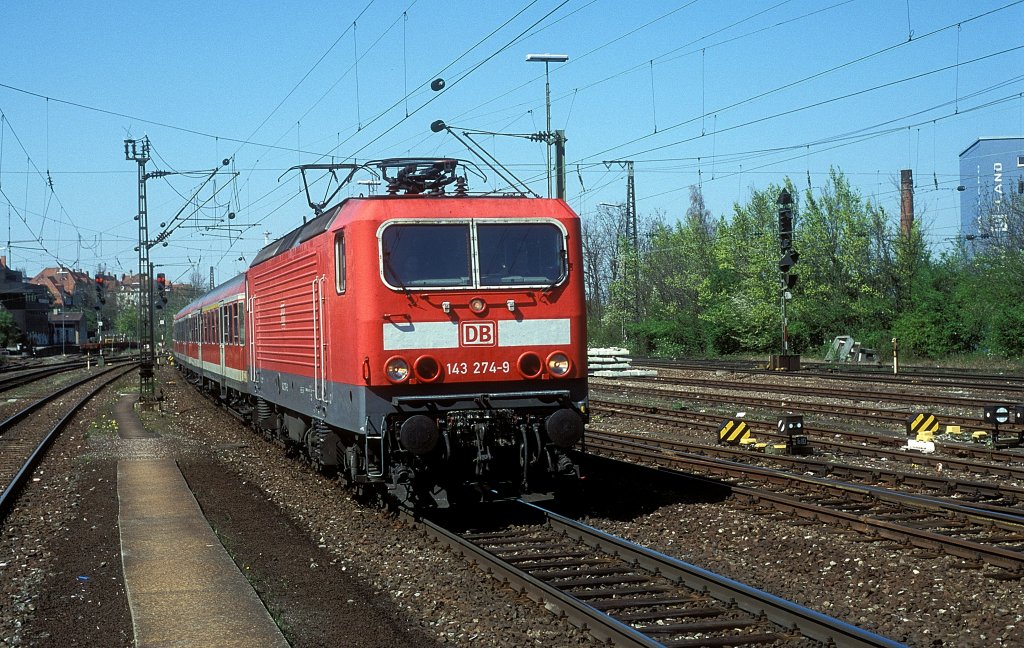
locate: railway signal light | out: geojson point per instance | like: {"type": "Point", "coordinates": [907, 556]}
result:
{"type": "Point", "coordinates": [785, 203]}
{"type": "Point", "coordinates": [101, 296]}
{"type": "Point", "coordinates": [796, 441]}
{"type": "Point", "coordinates": [997, 414]}
{"type": "Point", "coordinates": [788, 260]}
{"type": "Point", "coordinates": [161, 287]}
{"type": "Point", "coordinates": [786, 263]}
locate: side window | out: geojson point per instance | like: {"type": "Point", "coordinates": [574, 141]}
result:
{"type": "Point", "coordinates": [339, 263]}
{"type": "Point", "coordinates": [241, 323]}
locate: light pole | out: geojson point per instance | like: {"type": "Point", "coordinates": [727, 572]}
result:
{"type": "Point", "coordinates": [63, 311]}
{"type": "Point", "coordinates": [547, 59]}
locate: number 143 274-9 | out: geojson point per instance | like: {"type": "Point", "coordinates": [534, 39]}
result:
{"type": "Point", "coordinates": [477, 367]}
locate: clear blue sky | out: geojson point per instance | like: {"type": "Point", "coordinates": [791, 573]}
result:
{"type": "Point", "coordinates": [733, 96]}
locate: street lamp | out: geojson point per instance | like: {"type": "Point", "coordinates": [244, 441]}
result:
{"type": "Point", "coordinates": [547, 59]}
{"type": "Point", "coordinates": [63, 316]}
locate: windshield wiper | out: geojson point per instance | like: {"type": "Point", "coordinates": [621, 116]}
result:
{"type": "Point", "coordinates": [562, 257]}
{"type": "Point", "coordinates": [394, 275]}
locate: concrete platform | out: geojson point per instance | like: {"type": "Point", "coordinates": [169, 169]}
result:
{"type": "Point", "coordinates": [183, 588]}
{"type": "Point", "coordinates": [129, 425]}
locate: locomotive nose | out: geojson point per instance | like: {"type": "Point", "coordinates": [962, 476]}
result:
{"type": "Point", "coordinates": [418, 434]}
{"type": "Point", "coordinates": [565, 428]}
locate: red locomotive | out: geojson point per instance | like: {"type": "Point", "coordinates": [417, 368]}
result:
{"type": "Point", "coordinates": [429, 341]}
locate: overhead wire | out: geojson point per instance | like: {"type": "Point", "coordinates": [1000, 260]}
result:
{"type": "Point", "coordinates": [813, 76]}
{"type": "Point", "coordinates": [816, 104]}
{"type": "Point", "coordinates": [576, 59]}
{"type": "Point", "coordinates": [51, 195]}
{"type": "Point", "coordinates": [839, 142]}
{"type": "Point", "coordinates": [461, 76]}
{"type": "Point", "coordinates": [407, 94]}
{"type": "Point", "coordinates": [303, 78]}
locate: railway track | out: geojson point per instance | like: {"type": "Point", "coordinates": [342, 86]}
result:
{"type": "Point", "coordinates": [23, 446]}
{"type": "Point", "coordinates": [976, 532]}
{"type": "Point", "coordinates": [633, 596]}
{"type": "Point", "coordinates": [872, 414]}
{"type": "Point", "coordinates": [980, 460]}
{"type": "Point", "coordinates": [914, 398]}
{"type": "Point", "coordinates": [910, 375]}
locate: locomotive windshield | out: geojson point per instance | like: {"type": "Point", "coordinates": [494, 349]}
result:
{"type": "Point", "coordinates": [519, 254]}
{"type": "Point", "coordinates": [473, 254]}
{"type": "Point", "coordinates": [417, 256]}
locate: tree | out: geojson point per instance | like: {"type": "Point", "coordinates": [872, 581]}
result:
{"type": "Point", "coordinates": [677, 272]}
{"type": "Point", "coordinates": [710, 286]}
{"type": "Point", "coordinates": [600, 236]}
{"type": "Point", "coordinates": [629, 292]}
{"type": "Point", "coordinates": [126, 322]}
{"type": "Point", "coordinates": [178, 296]}
{"type": "Point", "coordinates": [742, 308]}
{"type": "Point", "coordinates": [10, 334]}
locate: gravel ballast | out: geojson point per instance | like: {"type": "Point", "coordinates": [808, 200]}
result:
{"type": "Point", "coordinates": [328, 567]}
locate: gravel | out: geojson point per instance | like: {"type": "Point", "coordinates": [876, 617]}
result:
{"type": "Point", "coordinates": [335, 573]}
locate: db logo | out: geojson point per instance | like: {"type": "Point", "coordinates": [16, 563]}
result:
{"type": "Point", "coordinates": [478, 334]}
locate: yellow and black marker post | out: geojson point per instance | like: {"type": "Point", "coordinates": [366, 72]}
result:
{"type": "Point", "coordinates": [733, 432]}
{"type": "Point", "coordinates": [924, 423]}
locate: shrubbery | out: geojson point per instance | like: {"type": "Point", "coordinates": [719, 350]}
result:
{"type": "Point", "coordinates": [706, 286]}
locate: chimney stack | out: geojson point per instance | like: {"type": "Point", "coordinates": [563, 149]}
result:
{"type": "Point", "coordinates": [906, 201]}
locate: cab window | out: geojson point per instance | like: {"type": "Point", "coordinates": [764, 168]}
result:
{"type": "Point", "coordinates": [339, 263]}
{"type": "Point", "coordinates": [520, 254]}
{"type": "Point", "coordinates": [428, 255]}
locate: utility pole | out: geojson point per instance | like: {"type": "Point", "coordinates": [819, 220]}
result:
{"type": "Point", "coordinates": [549, 137]}
{"type": "Point", "coordinates": [560, 164]}
{"type": "Point", "coordinates": [630, 199]}
{"type": "Point", "coordinates": [139, 152]}
{"type": "Point", "coordinates": [631, 227]}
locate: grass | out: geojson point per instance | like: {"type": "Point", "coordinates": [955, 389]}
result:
{"type": "Point", "coordinates": [104, 426]}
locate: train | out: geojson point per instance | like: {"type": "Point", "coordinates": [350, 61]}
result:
{"type": "Point", "coordinates": [427, 344]}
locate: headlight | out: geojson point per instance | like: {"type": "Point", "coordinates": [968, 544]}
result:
{"type": "Point", "coordinates": [396, 369]}
{"type": "Point", "coordinates": [427, 369]}
{"type": "Point", "coordinates": [529, 365]}
{"type": "Point", "coordinates": [558, 364]}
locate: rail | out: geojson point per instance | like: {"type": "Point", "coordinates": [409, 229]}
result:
{"type": "Point", "coordinates": [631, 595]}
